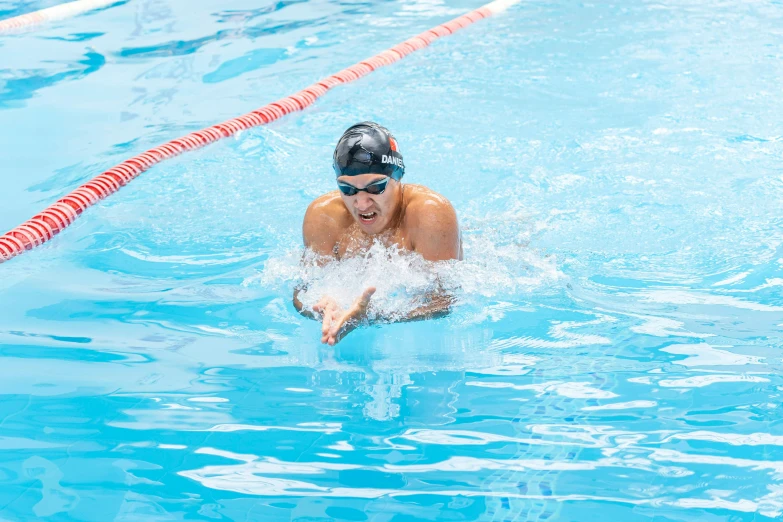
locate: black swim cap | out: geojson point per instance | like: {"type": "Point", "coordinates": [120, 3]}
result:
{"type": "Point", "coordinates": [368, 148]}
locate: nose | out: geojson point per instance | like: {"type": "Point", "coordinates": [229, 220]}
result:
{"type": "Point", "coordinates": [362, 202]}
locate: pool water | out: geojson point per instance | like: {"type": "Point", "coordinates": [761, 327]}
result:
{"type": "Point", "coordinates": [615, 353]}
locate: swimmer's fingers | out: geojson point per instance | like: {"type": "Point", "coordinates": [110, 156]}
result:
{"type": "Point", "coordinates": [358, 311]}
{"type": "Point", "coordinates": [364, 300]}
{"type": "Point", "coordinates": [351, 319]}
{"type": "Point", "coordinates": [333, 333]}
{"type": "Point", "coordinates": [329, 310]}
{"type": "Point", "coordinates": [340, 328]}
{"type": "Point", "coordinates": [321, 305]}
{"type": "Point", "coordinates": [331, 314]}
{"type": "Point", "coordinates": [325, 325]}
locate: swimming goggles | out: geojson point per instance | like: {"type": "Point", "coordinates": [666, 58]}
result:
{"type": "Point", "coordinates": [375, 188]}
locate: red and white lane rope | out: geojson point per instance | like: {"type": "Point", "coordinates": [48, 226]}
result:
{"type": "Point", "coordinates": [54, 219]}
{"type": "Point", "coordinates": [58, 12]}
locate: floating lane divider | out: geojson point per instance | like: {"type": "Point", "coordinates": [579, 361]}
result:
{"type": "Point", "coordinates": [58, 12]}
{"type": "Point", "coordinates": [44, 226]}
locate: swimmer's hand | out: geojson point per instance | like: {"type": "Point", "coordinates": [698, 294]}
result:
{"type": "Point", "coordinates": [338, 323]}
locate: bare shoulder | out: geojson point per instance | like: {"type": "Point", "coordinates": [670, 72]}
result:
{"type": "Point", "coordinates": [431, 222]}
{"type": "Point", "coordinates": [325, 220]}
{"type": "Point", "coordinates": [425, 206]}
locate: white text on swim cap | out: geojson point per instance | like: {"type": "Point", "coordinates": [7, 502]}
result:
{"type": "Point", "coordinates": [393, 160]}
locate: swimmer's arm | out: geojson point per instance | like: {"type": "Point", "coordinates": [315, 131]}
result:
{"type": "Point", "coordinates": [435, 235]}
{"type": "Point", "coordinates": [438, 305]}
{"type": "Point", "coordinates": [320, 233]}
{"type": "Point", "coordinates": [322, 226]}
{"type": "Point", "coordinates": [434, 230]}
{"type": "Point", "coordinates": [299, 306]}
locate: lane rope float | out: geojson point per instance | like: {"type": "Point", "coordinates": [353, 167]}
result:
{"type": "Point", "coordinates": [51, 14]}
{"type": "Point", "coordinates": [44, 226]}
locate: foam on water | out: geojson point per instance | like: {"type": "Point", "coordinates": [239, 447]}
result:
{"type": "Point", "coordinates": [495, 268]}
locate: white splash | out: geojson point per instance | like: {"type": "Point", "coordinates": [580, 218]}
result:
{"type": "Point", "coordinates": [405, 281]}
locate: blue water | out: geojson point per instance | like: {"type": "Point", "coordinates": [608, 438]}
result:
{"type": "Point", "coordinates": [616, 350]}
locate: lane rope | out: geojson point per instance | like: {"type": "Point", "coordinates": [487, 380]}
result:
{"type": "Point", "coordinates": [44, 226]}
{"type": "Point", "coordinates": [51, 14]}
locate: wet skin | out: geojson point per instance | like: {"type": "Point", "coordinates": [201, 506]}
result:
{"type": "Point", "coordinates": [336, 226]}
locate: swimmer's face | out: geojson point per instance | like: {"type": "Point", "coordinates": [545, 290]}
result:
{"type": "Point", "coordinates": [373, 212]}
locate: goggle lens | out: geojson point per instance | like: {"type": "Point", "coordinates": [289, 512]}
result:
{"type": "Point", "coordinates": [373, 189]}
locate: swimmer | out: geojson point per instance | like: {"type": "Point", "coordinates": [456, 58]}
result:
{"type": "Point", "coordinates": [372, 203]}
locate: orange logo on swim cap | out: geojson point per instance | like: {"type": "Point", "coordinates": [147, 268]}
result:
{"type": "Point", "coordinates": [393, 144]}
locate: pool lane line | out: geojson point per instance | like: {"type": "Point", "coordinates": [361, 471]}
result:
{"type": "Point", "coordinates": [44, 226]}
{"type": "Point", "coordinates": [51, 14]}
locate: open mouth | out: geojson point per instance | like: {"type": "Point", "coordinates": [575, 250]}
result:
{"type": "Point", "coordinates": [368, 218]}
